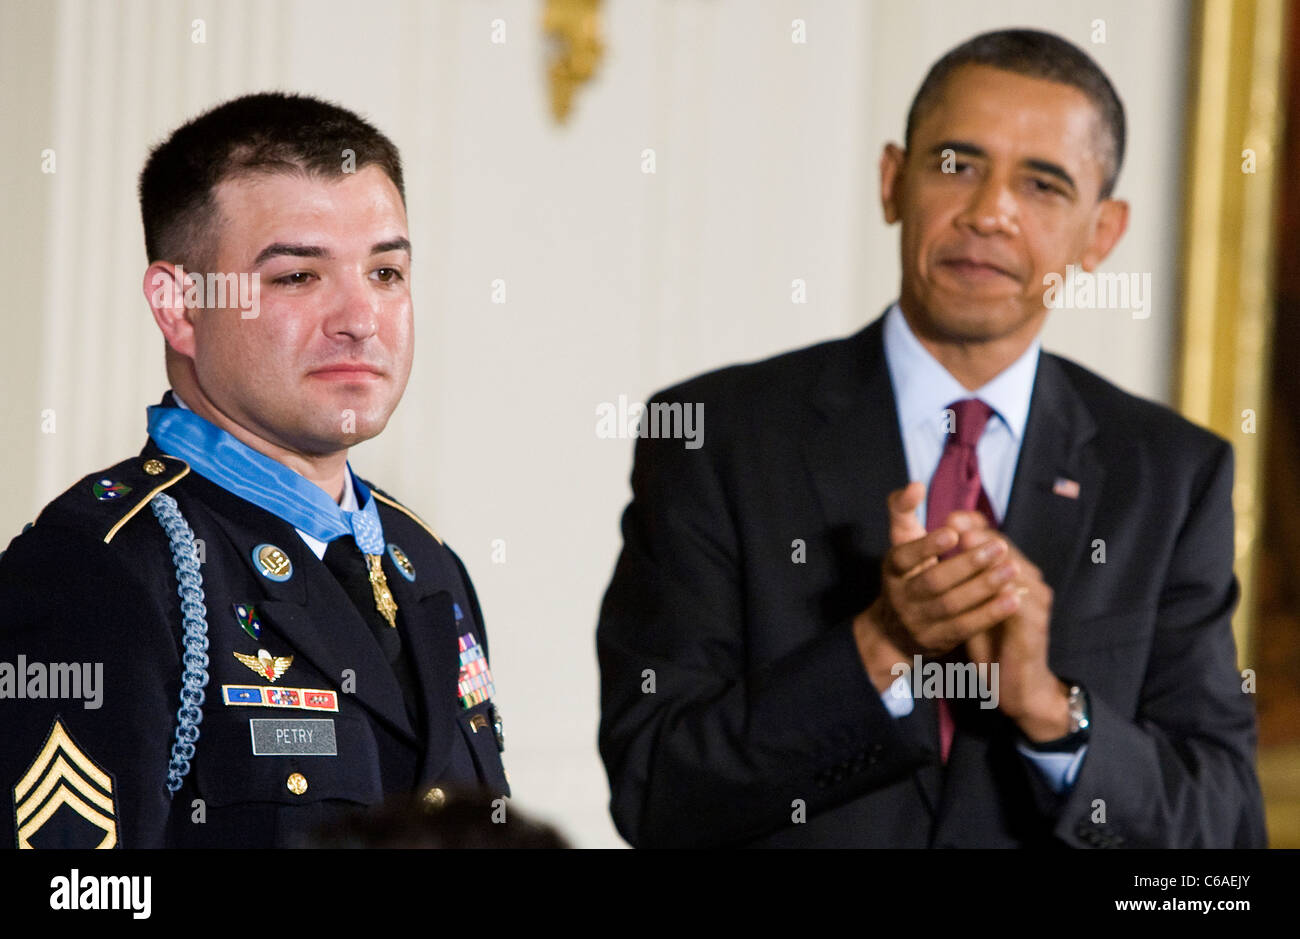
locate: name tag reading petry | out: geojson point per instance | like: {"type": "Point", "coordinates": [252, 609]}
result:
{"type": "Point", "coordinates": [293, 737]}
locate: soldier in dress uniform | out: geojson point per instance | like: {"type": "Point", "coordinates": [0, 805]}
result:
{"type": "Point", "coordinates": [231, 639]}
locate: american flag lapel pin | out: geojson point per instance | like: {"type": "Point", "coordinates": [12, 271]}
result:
{"type": "Point", "coordinates": [1066, 487]}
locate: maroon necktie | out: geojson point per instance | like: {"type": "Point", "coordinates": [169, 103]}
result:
{"type": "Point", "coordinates": [956, 485]}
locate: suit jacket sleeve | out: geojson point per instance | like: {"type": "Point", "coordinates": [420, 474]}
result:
{"type": "Point", "coordinates": [700, 747]}
{"type": "Point", "coordinates": [1180, 774]}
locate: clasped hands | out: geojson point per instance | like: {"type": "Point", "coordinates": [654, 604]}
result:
{"type": "Point", "coordinates": [964, 584]}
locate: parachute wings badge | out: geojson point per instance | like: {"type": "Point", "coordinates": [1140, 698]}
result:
{"type": "Point", "coordinates": [268, 666]}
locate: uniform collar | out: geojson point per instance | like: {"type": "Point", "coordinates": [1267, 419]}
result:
{"type": "Point", "coordinates": [347, 504]}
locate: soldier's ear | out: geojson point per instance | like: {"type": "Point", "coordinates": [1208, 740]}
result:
{"type": "Point", "coordinates": [165, 286]}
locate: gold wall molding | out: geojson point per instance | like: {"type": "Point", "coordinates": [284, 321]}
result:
{"type": "Point", "coordinates": [576, 49]}
{"type": "Point", "coordinates": [1236, 98]}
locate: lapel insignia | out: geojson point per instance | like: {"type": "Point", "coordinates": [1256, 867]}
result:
{"type": "Point", "coordinates": [474, 683]}
{"type": "Point", "coordinates": [303, 699]}
{"type": "Point", "coordinates": [1066, 487]}
{"type": "Point", "coordinates": [248, 621]}
{"type": "Point", "coordinates": [61, 782]}
{"type": "Point", "coordinates": [402, 561]}
{"type": "Point", "coordinates": [498, 729]}
{"type": "Point", "coordinates": [268, 666]}
{"type": "Point", "coordinates": [480, 721]}
{"type": "Point", "coordinates": [106, 490]}
{"type": "Point", "coordinates": [272, 563]}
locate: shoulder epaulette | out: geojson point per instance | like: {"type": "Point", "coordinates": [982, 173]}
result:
{"type": "Point", "coordinates": [105, 501]}
{"type": "Point", "coordinates": [390, 501]}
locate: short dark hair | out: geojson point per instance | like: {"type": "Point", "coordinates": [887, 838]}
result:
{"type": "Point", "coordinates": [1034, 54]}
{"type": "Point", "coordinates": [270, 132]}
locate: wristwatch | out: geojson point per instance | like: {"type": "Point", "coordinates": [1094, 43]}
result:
{"type": "Point", "coordinates": [1080, 723]}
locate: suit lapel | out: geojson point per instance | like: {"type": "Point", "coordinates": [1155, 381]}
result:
{"type": "Point", "coordinates": [428, 623]}
{"type": "Point", "coordinates": [1052, 528]}
{"type": "Point", "coordinates": [341, 646]}
{"type": "Point", "coordinates": [854, 453]}
{"type": "Point", "coordinates": [431, 632]}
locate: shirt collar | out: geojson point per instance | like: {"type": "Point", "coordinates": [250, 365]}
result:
{"type": "Point", "coordinates": [923, 387]}
{"type": "Point", "coordinates": [349, 503]}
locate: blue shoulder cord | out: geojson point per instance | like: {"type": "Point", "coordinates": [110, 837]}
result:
{"type": "Point", "coordinates": [194, 678]}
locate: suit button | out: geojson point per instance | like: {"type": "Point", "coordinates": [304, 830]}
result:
{"type": "Point", "coordinates": [154, 467]}
{"type": "Point", "coordinates": [435, 798]}
{"type": "Point", "coordinates": [296, 783]}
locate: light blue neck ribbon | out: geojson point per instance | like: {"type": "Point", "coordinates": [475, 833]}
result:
{"type": "Point", "coordinates": [241, 470]}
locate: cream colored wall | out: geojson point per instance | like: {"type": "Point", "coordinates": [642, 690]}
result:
{"type": "Point", "coordinates": [26, 66]}
{"type": "Point", "coordinates": [617, 282]}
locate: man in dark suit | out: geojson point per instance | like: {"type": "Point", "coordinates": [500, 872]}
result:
{"type": "Point", "coordinates": [231, 639]}
{"type": "Point", "coordinates": [1030, 642]}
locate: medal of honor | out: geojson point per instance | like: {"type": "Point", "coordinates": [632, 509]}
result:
{"type": "Point", "coordinates": [384, 601]}
{"type": "Point", "coordinates": [239, 469]}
